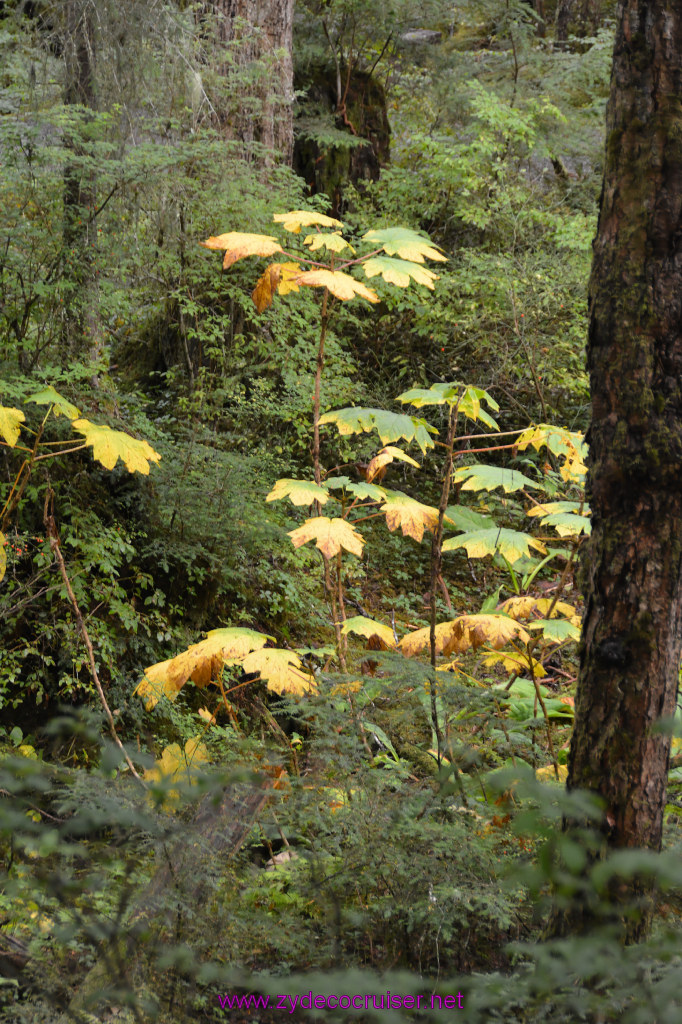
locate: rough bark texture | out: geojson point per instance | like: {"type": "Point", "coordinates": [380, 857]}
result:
{"type": "Point", "coordinates": [258, 37]}
{"type": "Point", "coordinates": [632, 635]}
{"type": "Point", "coordinates": [577, 18]}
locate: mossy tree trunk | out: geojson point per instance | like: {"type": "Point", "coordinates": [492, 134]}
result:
{"type": "Point", "coordinates": [632, 567]}
{"type": "Point", "coordinates": [258, 36]}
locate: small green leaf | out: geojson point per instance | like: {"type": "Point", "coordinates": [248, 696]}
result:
{"type": "Point", "coordinates": [360, 490]}
{"type": "Point", "coordinates": [465, 519]}
{"type": "Point", "coordinates": [556, 629]}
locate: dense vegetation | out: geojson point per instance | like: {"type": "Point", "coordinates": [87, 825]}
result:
{"type": "Point", "coordinates": [351, 777]}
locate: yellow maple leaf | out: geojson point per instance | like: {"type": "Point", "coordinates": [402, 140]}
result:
{"type": "Point", "coordinates": [384, 458]}
{"type": "Point", "coordinates": [296, 219]}
{"type": "Point", "coordinates": [476, 630]}
{"type": "Point", "coordinates": [332, 241]}
{"type": "Point", "coordinates": [343, 286]}
{"type": "Point", "coordinates": [410, 515]}
{"type": "Point", "coordinates": [299, 492]}
{"type": "Point", "coordinates": [419, 639]}
{"type": "Point", "coordinates": [201, 663]}
{"type": "Point", "coordinates": [560, 608]}
{"type": "Point", "coordinates": [330, 535]}
{"type": "Point", "coordinates": [238, 244]}
{"type": "Point", "coordinates": [281, 670]}
{"type": "Point", "coordinates": [549, 773]}
{"type": "Point", "coordinates": [276, 277]}
{"type": "Point", "coordinates": [519, 607]}
{"type": "Point", "coordinates": [363, 626]}
{"type": "Point", "coordinates": [10, 420]}
{"type": "Point", "coordinates": [3, 556]}
{"type": "Point", "coordinates": [514, 662]}
{"type": "Point", "coordinates": [108, 446]}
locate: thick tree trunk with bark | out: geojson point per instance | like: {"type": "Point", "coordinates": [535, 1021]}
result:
{"type": "Point", "coordinates": [632, 633]}
{"type": "Point", "coordinates": [258, 34]}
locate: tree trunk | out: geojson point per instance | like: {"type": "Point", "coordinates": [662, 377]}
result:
{"type": "Point", "coordinates": [81, 323]}
{"type": "Point", "coordinates": [577, 18]}
{"type": "Point", "coordinates": [632, 568]}
{"type": "Point", "coordinates": [258, 34]}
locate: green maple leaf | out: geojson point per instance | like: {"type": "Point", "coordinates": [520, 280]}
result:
{"type": "Point", "coordinates": [510, 543]}
{"type": "Point", "coordinates": [468, 397]}
{"type": "Point", "coordinates": [487, 478]}
{"type": "Point", "coordinates": [404, 243]}
{"type": "Point", "coordinates": [299, 492]}
{"type": "Point", "coordinates": [399, 272]}
{"type": "Point", "coordinates": [358, 490]}
{"type": "Point", "coordinates": [391, 426]}
{"type": "Point", "coordinates": [108, 446]}
{"type": "Point", "coordinates": [60, 406]}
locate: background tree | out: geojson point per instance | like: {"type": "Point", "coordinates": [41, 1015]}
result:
{"type": "Point", "coordinates": [632, 636]}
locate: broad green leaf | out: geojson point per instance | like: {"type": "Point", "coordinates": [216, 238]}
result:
{"type": "Point", "coordinates": [384, 458]}
{"type": "Point", "coordinates": [404, 243]}
{"type": "Point", "coordinates": [237, 245]}
{"type": "Point", "coordinates": [358, 490]}
{"type": "Point", "coordinates": [409, 514]}
{"type": "Point", "coordinates": [281, 670]}
{"type": "Point", "coordinates": [399, 272]}
{"type": "Point", "coordinates": [391, 426]}
{"type": "Point", "coordinates": [10, 420]}
{"type": "Point", "coordinates": [60, 406]}
{"type": "Point", "coordinates": [299, 492]}
{"type": "Point", "coordinates": [510, 543]}
{"type": "Point", "coordinates": [487, 478]}
{"type": "Point", "coordinates": [333, 241]}
{"type": "Point", "coordinates": [467, 519]}
{"type": "Point", "coordinates": [296, 219]}
{"type": "Point", "coordinates": [556, 629]}
{"type": "Point", "coordinates": [343, 286]}
{"type": "Point", "coordinates": [570, 445]}
{"type": "Point", "coordinates": [201, 663]}
{"type": "Point", "coordinates": [278, 277]}
{"type": "Point", "coordinates": [330, 535]}
{"type": "Point", "coordinates": [368, 628]}
{"type": "Point", "coordinates": [469, 399]}
{"type": "Point", "coordinates": [108, 446]}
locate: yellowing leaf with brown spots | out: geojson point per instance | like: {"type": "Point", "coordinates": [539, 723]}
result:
{"type": "Point", "coordinates": [363, 626]}
{"type": "Point", "coordinates": [280, 670]}
{"type": "Point", "coordinates": [384, 458]}
{"type": "Point", "coordinates": [410, 515]}
{"type": "Point", "coordinates": [343, 286]}
{"type": "Point", "coordinates": [296, 219]}
{"type": "Point", "coordinates": [419, 639]}
{"type": "Point", "coordinates": [514, 662]}
{"type": "Point", "coordinates": [201, 663]}
{"type": "Point", "coordinates": [108, 446]}
{"type": "Point", "coordinates": [476, 630]}
{"type": "Point", "coordinates": [519, 607]}
{"type": "Point", "coordinates": [238, 244]}
{"type": "Point", "coordinates": [276, 277]}
{"type": "Point", "coordinates": [330, 535]}
{"type": "Point", "coordinates": [10, 420]}
{"type": "Point", "coordinates": [567, 444]}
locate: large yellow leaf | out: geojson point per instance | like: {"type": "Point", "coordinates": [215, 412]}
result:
{"type": "Point", "coordinates": [363, 626]}
{"type": "Point", "coordinates": [419, 639]}
{"type": "Point", "coordinates": [299, 492]}
{"type": "Point", "coordinates": [201, 663]}
{"type": "Point", "coordinates": [477, 630]}
{"type": "Point", "coordinates": [296, 219]}
{"type": "Point", "coordinates": [174, 759]}
{"type": "Point", "coordinates": [237, 245]}
{"type": "Point", "coordinates": [464, 632]}
{"type": "Point", "coordinates": [343, 286]}
{"type": "Point", "coordinates": [281, 670]}
{"type": "Point", "coordinates": [108, 446]}
{"type": "Point", "coordinates": [514, 661]}
{"type": "Point", "coordinates": [333, 241]}
{"type": "Point", "coordinates": [10, 420]}
{"type": "Point", "coordinates": [276, 277]}
{"type": "Point", "coordinates": [330, 535]}
{"type": "Point", "coordinates": [410, 515]}
{"type": "Point", "coordinates": [519, 607]}
{"type": "Point", "coordinates": [384, 458]}
{"type": "Point", "coordinates": [3, 556]}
